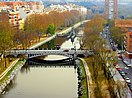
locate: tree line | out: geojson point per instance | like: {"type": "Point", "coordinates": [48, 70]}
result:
{"type": "Point", "coordinates": [102, 56]}
{"type": "Point", "coordinates": [117, 34]}
{"type": "Point", "coordinates": [36, 25]}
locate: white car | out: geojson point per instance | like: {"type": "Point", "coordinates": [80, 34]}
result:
{"type": "Point", "coordinates": [127, 80]}
{"type": "Point", "coordinates": [128, 64]}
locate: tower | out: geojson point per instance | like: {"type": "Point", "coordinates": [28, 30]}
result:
{"type": "Point", "coordinates": [111, 7]}
{"type": "Point", "coordinates": [106, 9]}
{"type": "Point", "coordinates": [115, 9]}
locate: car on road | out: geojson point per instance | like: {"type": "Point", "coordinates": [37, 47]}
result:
{"type": "Point", "coordinates": [113, 48]}
{"type": "Point", "coordinates": [120, 56]}
{"type": "Point", "coordinates": [118, 67]}
{"type": "Point", "coordinates": [128, 64]}
{"type": "Point", "coordinates": [130, 86]}
{"type": "Point", "coordinates": [122, 73]}
{"type": "Point", "coordinates": [119, 59]}
{"type": "Point", "coordinates": [66, 50]}
{"type": "Point", "coordinates": [127, 80]}
{"type": "Point", "coordinates": [120, 51]}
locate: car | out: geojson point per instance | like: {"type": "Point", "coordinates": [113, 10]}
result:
{"type": "Point", "coordinates": [130, 86]}
{"type": "Point", "coordinates": [128, 64]}
{"type": "Point", "coordinates": [114, 48]}
{"type": "Point", "coordinates": [120, 56]}
{"type": "Point", "coordinates": [119, 59]}
{"type": "Point", "coordinates": [122, 73]}
{"type": "Point", "coordinates": [118, 68]}
{"type": "Point", "coordinates": [127, 80]}
{"type": "Point", "coordinates": [120, 51]}
{"type": "Point", "coordinates": [65, 50]}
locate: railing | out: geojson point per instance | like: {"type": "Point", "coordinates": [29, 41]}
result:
{"type": "Point", "coordinates": [50, 52]}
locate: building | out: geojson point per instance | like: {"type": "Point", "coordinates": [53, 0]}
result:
{"type": "Point", "coordinates": [129, 44]}
{"type": "Point", "coordinates": [127, 24]}
{"type": "Point", "coordinates": [11, 17]}
{"type": "Point", "coordinates": [4, 16]}
{"type": "Point", "coordinates": [111, 7]}
{"type": "Point", "coordinates": [66, 7]}
{"type": "Point", "coordinates": [16, 12]}
{"type": "Point", "coordinates": [123, 23]}
{"type": "Point", "coordinates": [14, 19]}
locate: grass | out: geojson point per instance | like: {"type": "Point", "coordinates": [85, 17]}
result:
{"type": "Point", "coordinates": [2, 64]}
{"type": "Point", "coordinates": [84, 81]}
{"type": "Point", "coordinates": [10, 71]}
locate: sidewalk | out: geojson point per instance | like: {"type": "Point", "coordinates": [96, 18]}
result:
{"type": "Point", "coordinates": [9, 68]}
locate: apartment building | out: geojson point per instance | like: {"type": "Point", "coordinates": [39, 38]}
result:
{"type": "Point", "coordinates": [16, 12]}
{"type": "Point", "coordinates": [4, 16]}
{"type": "Point", "coordinates": [129, 44]}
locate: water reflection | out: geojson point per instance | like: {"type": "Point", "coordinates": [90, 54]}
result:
{"type": "Point", "coordinates": [44, 82]}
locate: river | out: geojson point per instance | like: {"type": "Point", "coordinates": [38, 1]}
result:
{"type": "Point", "coordinates": [44, 81]}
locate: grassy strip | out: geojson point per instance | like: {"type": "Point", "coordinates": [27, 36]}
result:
{"type": "Point", "coordinates": [10, 71]}
{"type": "Point", "coordinates": [84, 81]}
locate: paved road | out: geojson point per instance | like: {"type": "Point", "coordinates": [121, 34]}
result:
{"type": "Point", "coordinates": [126, 69]}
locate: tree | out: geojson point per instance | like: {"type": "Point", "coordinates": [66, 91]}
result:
{"type": "Point", "coordinates": [51, 29]}
{"type": "Point", "coordinates": [116, 35]}
{"type": "Point", "coordinates": [6, 37]}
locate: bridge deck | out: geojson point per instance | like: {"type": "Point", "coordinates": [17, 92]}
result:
{"type": "Point", "coordinates": [35, 53]}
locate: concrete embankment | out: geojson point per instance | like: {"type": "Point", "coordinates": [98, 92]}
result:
{"type": "Point", "coordinates": [89, 78]}
{"type": "Point", "coordinates": [9, 74]}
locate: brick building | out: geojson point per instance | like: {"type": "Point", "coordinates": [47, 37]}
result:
{"type": "Point", "coordinates": [16, 12]}
{"type": "Point", "coordinates": [129, 44]}
{"type": "Point", "coordinates": [4, 16]}
{"type": "Point", "coordinates": [11, 17]}
{"type": "Point", "coordinates": [128, 38]}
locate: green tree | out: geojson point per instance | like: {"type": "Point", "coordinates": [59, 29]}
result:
{"type": "Point", "coordinates": [51, 29]}
{"type": "Point", "coordinates": [117, 36]}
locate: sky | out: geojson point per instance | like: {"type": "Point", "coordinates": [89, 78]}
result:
{"type": "Point", "coordinates": [90, 0]}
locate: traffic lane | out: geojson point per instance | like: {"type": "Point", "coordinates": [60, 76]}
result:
{"type": "Point", "coordinates": [126, 69]}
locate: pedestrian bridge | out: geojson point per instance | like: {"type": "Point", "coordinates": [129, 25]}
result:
{"type": "Point", "coordinates": [36, 53]}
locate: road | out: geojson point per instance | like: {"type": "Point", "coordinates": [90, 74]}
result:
{"type": "Point", "coordinates": [127, 70]}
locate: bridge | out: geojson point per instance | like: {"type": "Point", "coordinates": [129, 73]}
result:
{"type": "Point", "coordinates": [35, 53]}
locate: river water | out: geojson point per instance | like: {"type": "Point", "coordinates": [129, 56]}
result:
{"type": "Point", "coordinates": [44, 81]}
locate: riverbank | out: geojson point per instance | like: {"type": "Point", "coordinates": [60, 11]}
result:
{"type": "Point", "coordinates": [83, 81]}
{"type": "Point", "coordinates": [90, 93]}
{"type": "Point", "coordinates": [9, 73]}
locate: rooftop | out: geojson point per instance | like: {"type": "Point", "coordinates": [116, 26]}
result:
{"type": "Point", "coordinates": [123, 23]}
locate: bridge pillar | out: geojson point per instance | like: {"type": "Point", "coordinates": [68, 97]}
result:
{"type": "Point", "coordinates": [27, 56]}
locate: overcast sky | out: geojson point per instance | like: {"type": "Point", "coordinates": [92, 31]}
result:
{"type": "Point", "coordinates": [90, 0]}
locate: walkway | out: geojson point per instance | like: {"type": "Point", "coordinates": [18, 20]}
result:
{"type": "Point", "coordinates": [8, 69]}
{"type": "Point", "coordinates": [89, 79]}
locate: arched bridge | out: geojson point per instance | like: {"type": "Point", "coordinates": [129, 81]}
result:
{"type": "Point", "coordinates": [36, 53]}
